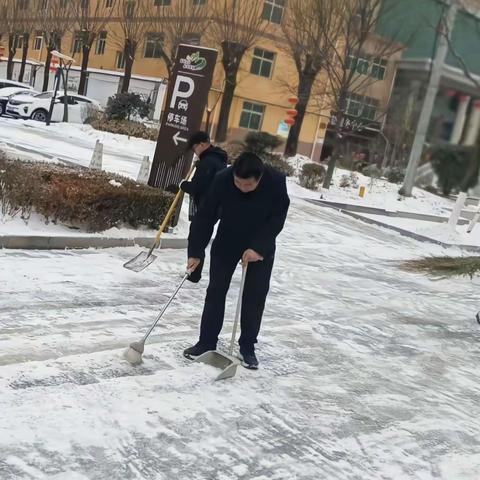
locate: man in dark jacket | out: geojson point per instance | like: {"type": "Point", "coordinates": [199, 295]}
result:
{"type": "Point", "coordinates": [251, 201]}
{"type": "Point", "coordinates": [211, 161]}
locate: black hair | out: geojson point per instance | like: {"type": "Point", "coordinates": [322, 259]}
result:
{"type": "Point", "coordinates": [198, 137]}
{"type": "Point", "coordinates": [248, 165]}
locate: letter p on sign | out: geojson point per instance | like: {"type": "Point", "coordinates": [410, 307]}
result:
{"type": "Point", "coordinates": [180, 93]}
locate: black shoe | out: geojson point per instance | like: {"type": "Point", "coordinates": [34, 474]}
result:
{"type": "Point", "coordinates": [249, 359]}
{"type": "Point", "coordinates": [199, 349]}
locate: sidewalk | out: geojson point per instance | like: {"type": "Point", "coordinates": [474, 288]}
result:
{"type": "Point", "coordinates": [422, 227]}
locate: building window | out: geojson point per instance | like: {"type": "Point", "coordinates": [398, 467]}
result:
{"type": "Point", "coordinates": [262, 63]}
{"type": "Point", "coordinates": [109, 3]}
{"type": "Point", "coordinates": [38, 41]}
{"type": "Point", "coordinates": [273, 10]}
{"type": "Point", "coordinates": [365, 65]}
{"type": "Point", "coordinates": [252, 116]}
{"type": "Point", "coordinates": [354, 105]}
{"type": "Point", "coordinates": [120, 60]}
{"type": "Point", "coordinates": [18, 42]}
{"type": "Point", "coordinates": [162, 3]}
{"type": "Point", "coordinates": [192, 39]}
{"type": "Point", "coordinates": [369, 110]}
{"type": "Point", "coordinates": [77, 42]}
{"type": "Point", "coordinates": [153, 45]}
{"type": "Point", "coordinates": [379, 67]}
{"type": "Point", "coordinates": [363, 107]}
{"type": "Point", "coordinates": [101, 43]}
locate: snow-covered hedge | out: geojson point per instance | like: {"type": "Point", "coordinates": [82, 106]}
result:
{"type": "Point", "coordinates": [88, 199]}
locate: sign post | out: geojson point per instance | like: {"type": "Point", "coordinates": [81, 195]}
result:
{"type": "Point", "coordinates": [187, 97]}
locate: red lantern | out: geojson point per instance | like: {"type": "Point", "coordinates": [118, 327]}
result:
{"type": "Point", "coordinates": [289, 121]}
{"type": "Point", "coordinates": [293, 100]}
{"type": "Point", "coordinates": [292, 113]}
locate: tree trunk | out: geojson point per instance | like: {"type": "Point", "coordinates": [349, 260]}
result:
{"type": "Point", "coordinates": [304, 90]}
{"type": "Point", "coordinates": [129, 53]}
{"type": "Point", "coordinates": [226, 105]}
{"type": "Point", "coordinates": [26, 39]}
{"type": "Point", "coordinates": [232, 57]}
{"type": "Point", "coordinates": [46, 73]}
{"type": "Point", "coordinates": [333, 159]}
{"type": "Point", "coordinates": [82, 86]}
{"type": "Point", "coordinates": [11, 53]}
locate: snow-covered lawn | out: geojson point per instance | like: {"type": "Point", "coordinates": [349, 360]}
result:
{"type": "Point", "coordinates": [367, 372]}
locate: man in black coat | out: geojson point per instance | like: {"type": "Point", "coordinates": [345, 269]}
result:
{"type": "Point", "coordinates": [211, 160]}
{"type": "Point", "coordinates": [251, 201]}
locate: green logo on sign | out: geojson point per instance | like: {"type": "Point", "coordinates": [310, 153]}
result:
{"type": "Point", "coordinates": [194, 62]}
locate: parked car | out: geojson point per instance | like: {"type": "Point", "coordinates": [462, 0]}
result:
{"type": "Point", "coordinates": [4, 83]}
{"type": "Point", "coordinates": [37, 107]}
{"type": "Point", "coordinates": [9, 92]}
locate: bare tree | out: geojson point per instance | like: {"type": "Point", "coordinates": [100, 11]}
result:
{"type": "Point", "coordinates": [12, 18]}
{"type": "Point", "coordinates": [91, 17]}
{"type": "Point", "coordinates": [356, 64]}
{"type": "Point", "coordinates": [55, 19]}
{"type": "Point", "coordinates": [134, 18]}
{"type": "Point", "coordinates": [236, 26]}
{"type": "Point", "coordinates": [27, 23]}
{"type": "Point", "coordinates": [306, 27]}
{"type": "Point", "coordinates": [182, 21]}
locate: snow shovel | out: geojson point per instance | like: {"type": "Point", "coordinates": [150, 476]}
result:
{"type": "Point", "coordinates": [227, 363]}
{"type": "Point", "coordinates": [134, 352]}
{"type": "Point", "coordinates": [144, 259]}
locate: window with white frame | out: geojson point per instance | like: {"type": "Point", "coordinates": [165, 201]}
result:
{"type": "Point", "coordinates": [18, 41]}
{"type": "Point", "coordinates": [77, 42]}
{"type": "Point", "coordinates": [379, 67]}
{"type": "Point", "coordinates": [101, 43]}
{"type": "Point", "coordinates": [252, 115]}
{"type": "Point", "coordinates": [273, 10]}
{"type": "Point", "coordinates": [120, 63]}
{"type": "Point", "coordinates": [38, 41]}
{"type": "Point", "coordinates": [153, 45]}
{"type": "Point", "coordinates": [262, 63]}
{"type": "Point", "coordinates": [362, 106]}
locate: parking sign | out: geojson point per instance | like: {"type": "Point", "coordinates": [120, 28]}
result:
{"type": "Point", "coordinates": [187, 97]}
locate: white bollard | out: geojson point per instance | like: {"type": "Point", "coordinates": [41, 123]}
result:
{"type": "Point", "coordinates": [97, 157]}
{"type": "Point", "coordinates": [144, 172]}
{"type": "Point", "coordinates": [457, 210]}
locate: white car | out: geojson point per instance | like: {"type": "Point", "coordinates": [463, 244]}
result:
{"type": "Point", "coordinates": [9, 92]}
{"type": "Point", "coordinates": [4, 83]}
{"type": "Point", "coordinates": [37, 107]}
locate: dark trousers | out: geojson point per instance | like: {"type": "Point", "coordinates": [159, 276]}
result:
{"type": "Point", "coordinates": [255, 293]}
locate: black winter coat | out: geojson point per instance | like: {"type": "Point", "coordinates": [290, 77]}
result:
{"type": "Point", "coordinates": [247, 220]}
{"type": "Point", "coordinates": [211, 161]}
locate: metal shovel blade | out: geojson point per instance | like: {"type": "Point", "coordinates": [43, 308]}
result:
{"type": "Point", "coordinates": [140, 262]}
{"type": "Point", "coordinates": [227, 364]}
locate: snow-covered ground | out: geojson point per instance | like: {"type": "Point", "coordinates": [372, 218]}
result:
{"type": "Point", "coordinates": [367, 372]}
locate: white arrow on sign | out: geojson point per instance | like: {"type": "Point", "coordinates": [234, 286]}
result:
{"type": "Point", "coordinates": [177, 138]}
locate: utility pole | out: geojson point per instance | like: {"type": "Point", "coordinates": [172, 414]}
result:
{"type": "Point", "coordinates": [444, 28]}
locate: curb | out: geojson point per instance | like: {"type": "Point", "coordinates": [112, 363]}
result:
{"type": "Point", "coordinates": [346, 207]}
{"type": "Point", "coordinates": [407, 233]}
{"type": "Point", "coordinates": [61, 243]}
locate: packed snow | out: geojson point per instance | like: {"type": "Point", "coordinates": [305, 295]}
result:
{"type": "Point", "coordinates": [367, 371]}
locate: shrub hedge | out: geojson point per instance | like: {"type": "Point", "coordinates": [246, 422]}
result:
{"type": "Point", "coordinates": [88, 199]}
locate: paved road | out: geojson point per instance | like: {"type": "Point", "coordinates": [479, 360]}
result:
{"type": "Point", "coordinates": [367, 372]}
